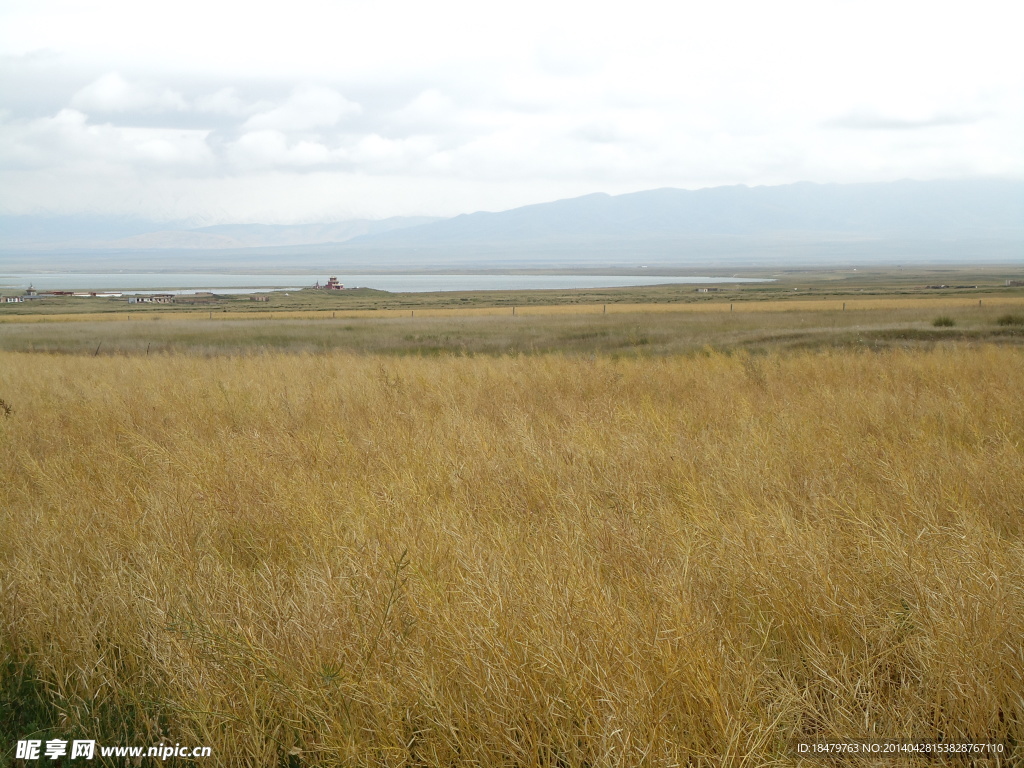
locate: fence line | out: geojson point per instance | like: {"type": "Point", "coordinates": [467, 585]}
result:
{"type": "Point", "coordinates": [812, 305]}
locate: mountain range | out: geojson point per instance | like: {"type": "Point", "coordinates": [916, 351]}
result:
{"type": "Point", "coordinates": [972, 208]}
{"type": "Point", "coordinates": [904, 220]}
{"type": "Point", "coordinates": [115, 233]}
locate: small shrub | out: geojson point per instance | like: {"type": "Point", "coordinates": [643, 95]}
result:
{"type": "Point", "coordinates": [5, 409]}
{"type": "Point", "coordinates": [943, 322]}
{"type": "Point", "coordinates": [1010, 320]}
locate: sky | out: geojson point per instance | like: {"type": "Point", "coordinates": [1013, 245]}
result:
{"type": "Point", "coordinates": [216, 112]}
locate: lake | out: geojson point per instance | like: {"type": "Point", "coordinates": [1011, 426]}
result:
{"type": "Point", "coordinates": [187, 282]}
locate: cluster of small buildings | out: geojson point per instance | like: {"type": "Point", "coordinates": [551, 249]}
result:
{"type": "Point", "coordinates": [200, 297]}
{"type": "Point", "coordinates": [32, 293]}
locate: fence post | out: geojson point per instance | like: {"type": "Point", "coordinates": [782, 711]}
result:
{"type": "Point", "coordinates": [844, 306]}
{"type": "Point", "coordinates": [730, 307]}
{"type": "Point", "coordinates": [604, 310]}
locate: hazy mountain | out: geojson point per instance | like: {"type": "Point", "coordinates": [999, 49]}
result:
{"type": "Point", "coordinates": [264, 235]}
{"type": "Point", "coordinates": [259, 235]}
{"type": "Point", "coordinates": [979, 208]}
{"type": "Point", "coordinates": [799, 224]}
{"type": "Point", "coordinates": [82, 230]}
{"type": "Point", "coordinates": [113, 233]}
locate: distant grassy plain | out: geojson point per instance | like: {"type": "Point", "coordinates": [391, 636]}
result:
{"type": "Point", "coordinates": [555, 539]}
{"type": "Point", "coordinates": [818, 308]}
{"type": "Point", "coordinates": [618, 329]}
{"type": "Point", "coordinates": [785, 285]}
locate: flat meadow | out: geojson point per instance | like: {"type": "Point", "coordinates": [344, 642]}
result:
{"type": "Point", "coordinates": [354, 558]}
{"type": "Point", "coordinates": [614, 329]}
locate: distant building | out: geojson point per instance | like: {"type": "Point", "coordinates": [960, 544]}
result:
{"type": "Point", "coordinates": [332, 284]}
{"type": "Point", "coordinates": [12, 299]}
{"type": "Point", "coordinates": [259, 297]}
{"type": "Point", "coordinates": [706, 290]}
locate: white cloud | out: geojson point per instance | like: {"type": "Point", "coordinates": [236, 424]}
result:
{"type": "Point", "coordinates": [309, 106]}
{"type": "Point", "coordinates": [378, 154]}
{"type": "Point", "coordinates": [226, 101]}
{"type": "Point", "coordinates": [112, 93]}
{"type": "Point", "coordinates": [381, 102]}
{"type": "Point", "coordinates": [68, 141]}
{"type": "Point", "coordinates": [266, 149]}
{"type": "Point", "coordinates": [431, 110]}
{"type": "Point", "coordinates": [171, 149]}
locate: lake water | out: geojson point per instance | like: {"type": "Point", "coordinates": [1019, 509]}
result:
{"type": "Point", "coordinates": [186, 282]}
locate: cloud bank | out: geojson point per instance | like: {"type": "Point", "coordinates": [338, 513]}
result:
{"type": "Point", "coordinates": [333, 111]}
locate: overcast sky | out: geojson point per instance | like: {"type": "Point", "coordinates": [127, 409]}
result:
{"type": "Point", "coordinates": [304, 111]}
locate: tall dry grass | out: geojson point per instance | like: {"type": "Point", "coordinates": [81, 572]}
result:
{"type": "Point", "coordinates": [538, 561]}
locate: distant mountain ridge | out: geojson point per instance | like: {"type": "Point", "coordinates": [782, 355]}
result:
{"type": "Point", "coordinates": [965, 221]}
{"type": "Point", "coordinates": [114, 233]}
{"type": "Point", "coordinates": [973, 208]}
{"type": "Point", "coordinates": [314, 233]}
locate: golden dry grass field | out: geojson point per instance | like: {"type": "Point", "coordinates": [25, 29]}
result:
{"type": "Point", "coordinates": [624, 329]}
{"type": "Point", "coordinates": [938, 304]}
{"type": "Point", "coordinates": [540, 560]}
